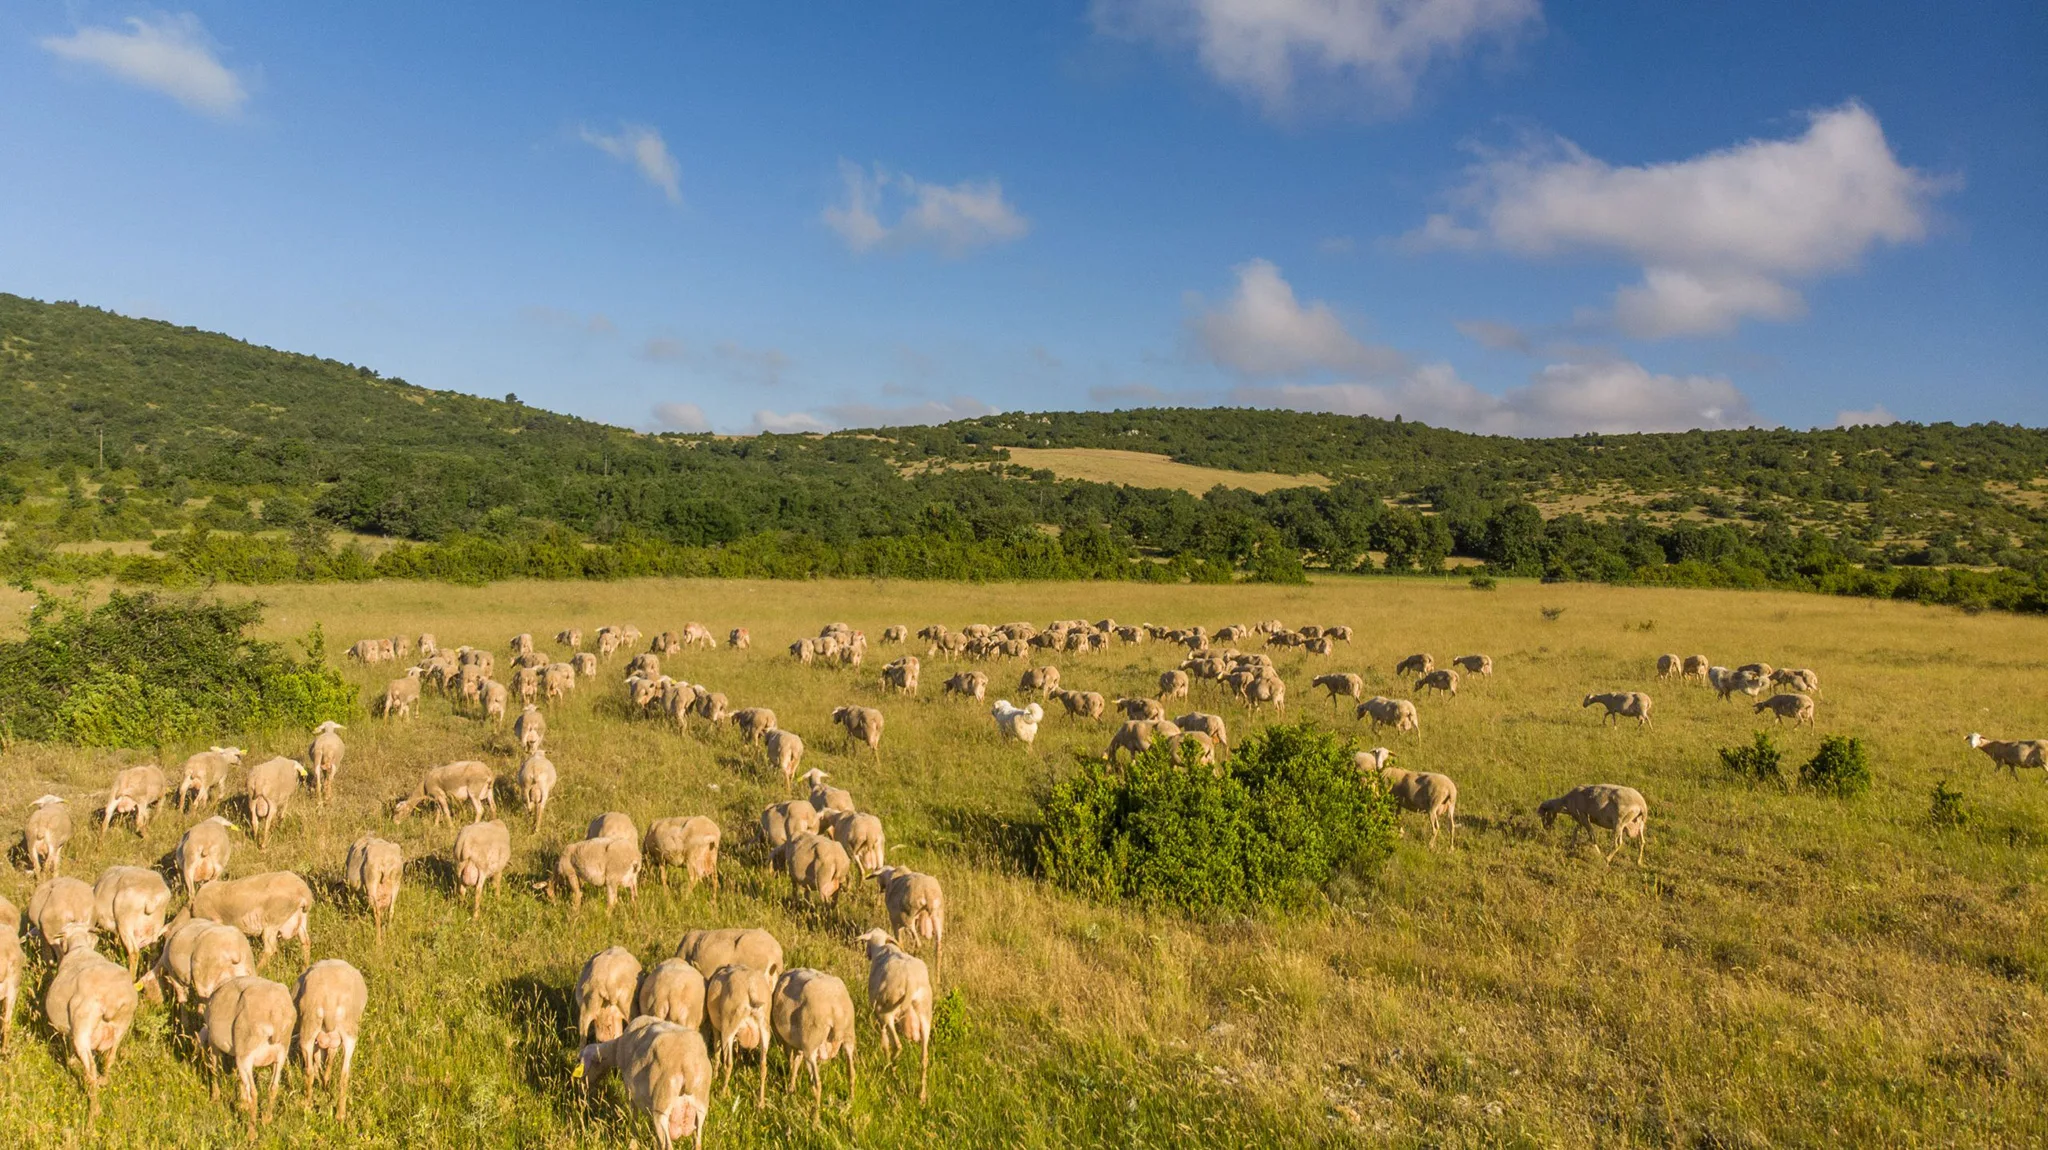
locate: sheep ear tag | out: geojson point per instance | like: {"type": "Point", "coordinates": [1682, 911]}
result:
{"type": "Point", "coordinates": [576, 1071]}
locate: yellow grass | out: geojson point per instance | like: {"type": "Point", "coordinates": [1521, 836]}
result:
{"type": "Point", "coordinates": [1146, 469]}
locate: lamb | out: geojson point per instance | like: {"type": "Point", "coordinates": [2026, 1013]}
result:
{"type": "Point", "coordinates": [249, 1020]}
{"type": "Point", "coordinates": [673, 991]}
{"type": "Point", "coordinates": [900, 994]}
{"type": "Point", "coordinates": [1342, 683]}
{"type": "Point", "coordinates": [753, 723]}
{"type": "Point", "coordinates": [1442, 679]}
{"type": "Point", "coordinates": [1419, 664]}
{"type": "Point", "coordinates": [2012, 754]}
{"type": "Point", "coordinates": [1141, 708]}
{"type": "Point", "coordinates": [323, 756]}
{"type": "Point", "coordinates": [1420, 791]}
{"type": "Point", "coordinates": [91, 1002]}
{"type": "Point", "coordinates": [197, 956]}
{"type": "Point", "coordinates": [137, 791]}
{"type": "Point", "coordinates": [536, 783]}
{"type": "Point", "coordinates": [1384, 712]}
{"type": "Point", "coordinates": [45, 834]}
{"type": "Point", "coordinates": [63, 911]}
{"type": "Point", "coordinates": [1670, 666]}
{"type": "Point", "coordinates": [1633, 704]}
{"type": "Point", "coordinates": [1019, 723]}
{"type": "Point", "coordinates": [612, 863]}
{"type": "Point", "coordinates": [128, 903]}
{"type": "Point", "coordinates": [530, 728]}
{"type": "Point", "coordinates": [736, 1000]}
{"type": "Point", "coordinates": [816, 863]}
{"type": "Point", "coordinates": [902, 675]}
{"type": "Point", "coordinates": [206, 773]}
{"type": "Point", "coordinates": [864, 724]}
{"type": "Point", "coordinates": [373, 870]}
{"type": "Point", "coordinates": [1605, 805]}
{"type": "Point", "coordinates": [482, 852]}
{"type": "Point", "coordinates": [202, 855]}
{"type": "Point", "coordinates": [861, 835]}
{"type": "Point", "coordinates": [690, 843]}
{"type": "Point", "coordinates": [785, 753]}
{"type": "Point", "coordinates": [1044, 680]}
{"type": "Point", "coordinates": [667, 1072]}
{"type": "Point", "coordinates": [813, 1015]}
{"type": "Point", "coordinates": [1137, 735]}
{"type": "Point", "coordinates": [709, 950]}
{"type": "Point", "coordinates": [1794, 706]}
{"type": "Point", "coordinates": [465, 780]}
{"type": "Point", "coordinates": [270, 787]}
{"type": "Point", "coordinates": [269, 906]}
{"type": "Point", "coordinates": [784, 821]}
{"type": "Point", "coordinates": [1695, 668]}
{"type": "Point", "coordinates": [402, 696]}
{"type": "Point", "coordinates": [604, 994]}
{"type": "Point", "coordinates": [1474, 664]}
{"type": "Point", "coordinates": [917, 909]}
{"type": "Point", "coordinates": [1173, 685]}
{"type": "Point", "coordinates": [739, 639]}
{"type": "Point", "coordinates": [1080, 704]}
{"type": "Point", "coordinates": [973, 684]}
{"type": "Point", "coordinates": [331, 998]}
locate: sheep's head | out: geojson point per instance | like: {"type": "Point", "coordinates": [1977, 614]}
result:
{"type": "Point", "coordinates": [1975, 740]}
{"type": "Point", "coordinates": [1547, 811]}
{"type": "Point", "coordinates": [46, 800]}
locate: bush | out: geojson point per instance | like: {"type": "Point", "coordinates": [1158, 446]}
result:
{"type": "Point", "coordinates": [1484, 583]}
{"type": "Point", "coordinates": [1284, 816]}
{"type": "Point", "coordinates": [1760, 762]}
{"type": "Point", "coordinates": [1841, 767]}
{"type": "Point", "coordinates": [1947, 811]}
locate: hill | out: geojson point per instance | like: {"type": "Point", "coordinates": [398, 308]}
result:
{"type": "Point", "coordinates": [233, 461]}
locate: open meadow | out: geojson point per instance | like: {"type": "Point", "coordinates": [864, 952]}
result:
{"type": "Point", "coordinates": [1783, 969]}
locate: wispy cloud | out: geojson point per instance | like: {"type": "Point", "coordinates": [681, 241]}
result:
{"type": "Point", "coordinates": [168, 54]}
{"type": "Point", "coordinates": [1496, 336]}
{"type": "Point", "coordinates": [684, 417]}
{"type": "Point", "coordinates": [1875, 416]}
{"type": "Point", "coordinates": [954, 219]}
{"type": "Point", "coordinates": [643, 148]}
{"type": "Point", "coordinates": [788, 423]}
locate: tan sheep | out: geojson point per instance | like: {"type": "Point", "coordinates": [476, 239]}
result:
{"type": "Point", "coordinates": [203, 853]}
{"type": "Point", "coordinates": [708, 950]}
{"type": "Point", "coordinates": [482, 852]}
{"type": "Point", "coordinates": [902, 675]}
{"type": "Point", "coordinates": [374, 870]}
{"type": "Point", "coordinates": [270, 787]}
{"type": "Point", "coordinates": [1474, 664]}
{"type": "Point", "coordinates": [1384, 712]}
{"type": "Point", "coordinates": [91, 1002]}
{"type": "Point", "coordinates": [45, 834]}
{"type": "Point", "coordinates": [135, 791]}
{"type": "Point", "coordinates": [129, 903]}
{"type": "Point", "coordinates": [323, 757]}
{"type": "Point", "coordinates": [1416, 664]}
{"type": "Point", "coordinates": [1442, 679]}
{"type": "Point", "coordinates": [493, 697]}
{"type": "Point", "coordinates": [1266, 689]}
{"type": "Point", "coordinates": [402, 696]}
{"type": "Point", "coordinates": [900, 994]}
{"type": "Point", "coordinates": [604, 993]}
{"type": "Point", "coordinates": [1205, 747]}
{"type": "Point", "coordinates": [1341, 684]}
{"type": "Point", "coordinates": [813, 1016]}
{"type": "Point", "coordinates": [1206, 724]}
{"type": "Point", "coordinates": [271, 907]}
{"type": "Point", "coordinates": [522, 644]}
{"type": "Point", "coordinates": [612, 863]}
{"type": "Point", "coordinates": [785, 751]}
{"type": "Point", "coordinates": [1043, 680]}
{"type": "Point", "coordinates": [862, 836]}
{"type": "Point", "coordinates": [917, 909]}
{"type": "Point", "coordinates": [249, 1021]}
{"type": "Point", "coordinates": [584, 664]}
{"type": "Point", "coordinates": [557, 680]}
{"type": "Point", "coordinates": [536, 784]}
{"type": "Point", "coordinates": [62, 910]}
{"type": "Point", "coordinates": [1794, 706]}
{"type": "Point", "coordinates": [569, 637]}
{"type": "Point", "coordinates": [739, 639]}
{"type": "Point", "coordinates": [1620, 704]}
{"type": "Point", "coordinates": [1695, 668]}
{"type": "Point", "coordinates": [331, 997]}
{"type": "Point", "coordinates": [667, 1072]}
{"type": "Point", "coordinates": [1141, 708]}
{"type": "Point", "coordinates": [826, 798]}
{"type": "Point", "coordinates": [464, 781]}
{"type": "Point", "coordinates": [673, 991]}
{"type": "Point", "coordinates": [1136, 736]}
{"type": "Point", "coordinates": [1670, 666]}
{"type": "Point", "coordinates": [817, 864]}
{"type": "Point", "coordinates": [753, 723]}
{"type": "Point", "coordinates": [1799, 679]}
{"type": "Point", "coordinates": [1173, 685]}
{"type": "Point", "coordinates": [736, 998]}
{"type": "Point", "coordinates": [690, 843]}
{"type": "Point", "coordinates": [1081, 704]}
{"type": "Point", "coordinates": [530, 728]}
{"type": "Point", "coordinates": [197, 956]}
{"type": "Point", "coordinates": [972, 684]}
{"type": "Point", "coordinates": [206, 775]}
{"type": "Point", "coordinates": [1604, 805]}
{"type": "Point", "coordinates": [863, 725]}
{"type": "Point", "coordinates": [2012, 754]}
{"type": "Point", "coordinates": [782, 822]}
{"type": "Point", "coordinates": [1420, 791]}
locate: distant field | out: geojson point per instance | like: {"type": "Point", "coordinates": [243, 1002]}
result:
{"type": "Point", "coordinates": [1145, 469]}
{"type": "Point", "coordinates": [1784, 969]}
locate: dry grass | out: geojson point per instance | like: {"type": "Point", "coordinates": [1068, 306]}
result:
{"type": "Point", "coordinates": [1784, 970]}
{"type": "Point", "coordinates": [1146, 469]}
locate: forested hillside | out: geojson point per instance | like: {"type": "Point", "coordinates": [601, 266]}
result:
{"type": "Point", "coordinates": [239, 462]}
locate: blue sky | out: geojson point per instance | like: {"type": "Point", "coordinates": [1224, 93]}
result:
{"type": "Point", "coordinates": [1503, 215]}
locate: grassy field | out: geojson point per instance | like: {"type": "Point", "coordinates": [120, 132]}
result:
{"type": "Point", "coordinates": [1146, 469]}
{"type": "Point", "coordinates": [1784, 969]}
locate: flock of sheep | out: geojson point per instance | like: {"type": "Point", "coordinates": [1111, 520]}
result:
{"type": "Point", "coordinates": [667, 1030]}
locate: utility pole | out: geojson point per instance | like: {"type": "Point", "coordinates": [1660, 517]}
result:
{"type": "Point", "coordinates": [103, 447]}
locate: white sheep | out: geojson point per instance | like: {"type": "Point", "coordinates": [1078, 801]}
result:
{"type": "Point", "coordinates": [1794, 706]}
{"type": "Point", "coordinates": [1442, 679]}
{"type": "Point", "coordinates": [708, 950]}
{"type": "Point", "coordinates": [464, 781]}
{"type": "Point", "coordinates": [900, 994]}
{"type": "Point", "coordinates": [136, 791]}
{"type": "Point", "coordinates": [1604, 805]}
{"type": "Point", "coordinates": [249, 1020]}
{"type": "Point", "coordinates": [1384, 712]}
{"type": "Point", "coordinates": [862, 836]}
{"type": "Point", "coordinates": [12, 962]}
{"type": "Point", "coordinates": [331, 998]}
{"type": "Point", "coordinates": [1418, 664]}
{"type": "Point", "coordinates": [197, 956]}
{"type": "Point", "coordinates": [536, 783]}
{"type": "Point", "coordinates": [1420, 791]}
{"type": "Point", "coordinates": [973, 684]}
{"type": "Point", "coordinates": [826, 798]}
{"type": "Point", "coordinates": [1670, 666]}
{"type": "Point", "coordinates": [129, 903]}
{"type": "Point", "coordinates": [203, 853]}
{"type": "Point", "coordinates": [781, 822]}
{"type": "Point", "coordinates": [813, 1016]}
{"type": "Point", "coordinates": [45, 834]}
{"type": "Point", "coordinates": [63, 911]}
{"type": "Point", "coordinates": [482, 852]}
{"type": "Point", "coordinates": [667, 1072]}
{"type": "Point", "coordinates": [736, 1001]}
{"type": "Point", "coordinates": [91, 1002]}
{"type": "Point", "coordinates": [1340, 684]}
{"type": "Point", "coordinates": [270, 787]}
{"type": "Point", "coordinates": [206, 773]}
{"type": "Point", "coordinates": [817, 864]}
{"type": "Point", "coordinates": [1173, 685]}
{"type": "Point", "coordinates": [673, 991]}
{"type": "Point", "coordinates": [604, 993]}
{"type": "Point", "coordinates": [1632, 704]}
{"type": "Point", "coordinates": [865, 724]}
{"type": "Point", "coordinates": [690, 843]}
{"type": "Point", "coordinates": [323, 757]}
{"type": "Point", "coordinates": [374, 869]}
{"type": "Point", "coordinates": [1474, 664]}
{"type": "Point", "coordinates": [612, 863]}
{"type": "Point", "coordinates": [1136, 736]}
{"type": "Point", "coordinates": [271, 906]}
{"type": "Point", "coordinates": [917, 909]}
{"type": "Point", "coordinates": [2012, 754]}
{"type": "Point", "coordinates": [530, 728]}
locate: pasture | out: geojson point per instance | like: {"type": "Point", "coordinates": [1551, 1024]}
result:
{"type": "Point", "coordinates": [1783, 969]}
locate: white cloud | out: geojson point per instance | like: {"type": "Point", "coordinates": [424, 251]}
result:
{"type": "Point", "coordinates": [1876, 416]}
{"type": "Point", "coordinates": [1263, 330]}
{"type": "Point", "coordinates": [788, 423]}
{"type": "Point", "coordinates": [1268, 50]}
{"type": "Point", "coordinates": [954, 219]}
{"type": "Point", "coordinates": [170, 54]}
{"type": "Point", "coordinates": [643, 148]}
{"type": "Point", "coordinates": [1718, 235]}
{"type": "Point", "coordinates": [911, 415]}
{"type": "Point", "coordinates": [684, 417]}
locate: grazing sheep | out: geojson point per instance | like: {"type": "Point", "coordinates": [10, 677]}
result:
{"type": "Point", "coordinates": [1794, 706]}
{"type": "Point", "coordinates": [1137, 735]}
{"type": "Point", "coordinates": [902, 675]}
{"type": "Point", "coordinates": [63, 911]}
{"type": "Point", "coordinates": [522, 644]}
{"type": "Point", "coordinates": [482, 852]}
{"type": "Point", "coordinates": [202, 854]}
{"type": "Point", "coordinates": [45, 834]}
{"type": "Point", "coordinates": [1670, 666]}
{"type": "Point", "coordinates": [739, 639]}
{"type": "Point", "coordinates": [709, 706]}
{"type": "Point", "coordinates": [331, 998]}
{"type": "Point", "coordinates": [1044, 680]}
{"type": "Point", "coordinates": [128, 902]}
{"type": "Point", "coordinates": [270, 787]}
{"type": "Point", "coordinates": [1442, 679]}
{"type": "Point", "coordinates": [1761, 672]}
{"type": "Point", "coordinates": [1474, 664]}
{"type": "Point", "coordinates": [673, 991]}
{"type": "Point", "coordinates": [917, 909]}
{"type": "Point", "coordinates": [585, 665]}
{"type": "Point", "coordinates": [1633, 704]}
{"type": "Point", "coordinates": [708, 950]}
{"type": "Point", "coordinates": [536, 782]}
{"type": "Point", "coordinates": [863, 725]}
{"type": "Point", "coordinates": [667, 1072]}
{"type": "Point", "coordinates": [816, 863]}
{"type": "Point", "coordinates": [530, 728]}
{"type": "Point", "coordinates": [1418, 664]}
{"type": "Point", "coordinates": [2012, 754]}
{"type": "Point", "coordinates": [465, 780]}
{"type": "Point", "coordinates": [1420, 791]}
{"type": "Point", "coordinates": [785, 753]}
{"type": "Point", "coordinates": [402, 696]}
{"type": "Point", "coordinates": [1019, 723]}
{"type": "Point", "coordinates": [896, 633]}
{"type": "Point", "coordinates": [557, 680]}
{"type": "Point", "coordinates": [1206, 724]}
{"type": "Point", "coordinates": [1081, 704]}
{"type": "Point", "coordinates": [494, 697]}
{"type": "Point", "coordinates": [1173, 685]}
{"type": "Point", "coordinates": [973, 684]}
{"type": "Point", "coordinates": [1694, 668]}
{"type": "Point", "coordinates": [646, 666]}
{"type": "Point", "coordinates": [862, 836]}
{"type": "Point", "coordinates": [612, 863]}
{"type": "Point", "coordinates": [698, 635]}
{"type": "Point", "coordinates": [900, 994]}
{"type": "Point", "coordinates": [1724, 681]}
{"type": "Point", "coordinates": [136, 791]}
{"type": "Point", "coordinates": [91, 1002]}
{"type": "Point", "coordinates": [1342, 684]}
{"type": "Point", "coordinates": [323, 757]}
{"type": "Point", "coordinates": [1205, 747]}
{"type": "Point", "coordinates": [269, 906]}
{"type": "Point", "coordinates": [1605, 805]}
{"type": "Point", "coordinates": [1141, 708]}
{"type": "Point", "coordinates": [813, 1016]}
{"type": "Point", "coordinates": [12, 962]}
{"type": "Point", "coordinates": [373, 870]}
{"type": "Point", "coordinates": [1384, 712]}
{"type": "Point", "coordinates": [569, 637]}
{"type": "Point", "coordinates": [207, 773]}
{"type": "Point", "coordinates": [753, 723]}
{"type": "Point", "coordinates": [666, 643]}
{"type": "Point", "coordinates": [736, 1000]}
{"type": "Point", "coordinates": [1266, 689]}
{"type": "Point", "coordinates": [604, 993]}
{"type": "Point", "coordinates": [690, 843]}
{"type": "Point", "coordinates": [249, 1020]}
{"type": "Point", "coordinates": [613, 825]}
{"type": "Point", "coordinates": [785, 821]}
{"type": "Point", "coordinates": [1799, 679]}
{"type": "Point", "coordinates": [197, 956]}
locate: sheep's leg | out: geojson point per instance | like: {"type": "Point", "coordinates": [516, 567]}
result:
{"type": "Point", "coordinates": [761, 1096]}
{"type": "Point", "coordinates": [309, 1057]}
{"type": "Point", "coordinates": [276, 1080]}
{"type": "Point", "coordinates": [852, 1076]}
{"type": "Point", "coordinates": [817, 1090]}
{"type": "Point", "coordinates": [924, 1065]}
{"type": "Point", "coordinates": [348, 1060]}
{"type": "Point", "coordinates": [476, 910]}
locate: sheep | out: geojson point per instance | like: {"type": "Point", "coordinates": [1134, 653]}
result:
{"type": "Point", "coordinates": [465, 779]}
{"type": "Point", "coordinates": [1474, 664]}
{"type": "Point", "coordinates": [739, 639]}
{"type": "Point", "coordinates": [331, 998]}
{"type": "Point", "coordinates": [816, 863]}
{"type": "Point", "coordinates": [862, 836]}
{"type": "Point", "coordinates": [206, 773]}
{"type": "Point", "coordinates": [1080, 704]}
{"type": "Point", "coordinates": [1019, 723]}
{"type": "Point", "coordinates": [137, 791]}
{"type": "Point", "coordinates": [569, 637]}
{"type": "Point", "coordinates": [629, 634]}
{"type": "Point", "coordinates": [530, 728]}
{"type": "Point", "coordinates": [1759, 671]}
{"type": "Point", "coordinates": [917, 909]}
{"type": "Point", "coordinates": [708, 950]}
{"type": "Point", "coordinates": [45, 834]}
{"type": "Point", "coordinates": [202, 854]}
{"type": "Point", "coordinates": [522, 644]}
{"type": "Point", "coordinates": [813, 1015]}
{"type": "Point", "coordinates": [1384, 712]}
{"type": "Point", "coordinates": [249, 1021]}
{"type": "Point", "coordinates": [604, 994]}
{"type": "Point", "coordinates": [613, 863]}
{"type": "Point", "coordinates": [690, 843]}
{"type": "Point", "coordinates": [2012, 754]}
{"type": "Point", "coordinates": [12, 961]}
{"type": "Point", "coordinates": [1173, 685]}
{"type": "Point", "coordinates": [557, 680]}
{"type": "Point", "coordinates": [972, 684]}
{"type": "Point", "coordinates": [1442, 679]}
{"type": "Point", "coordinates": [1605, 805]}
{"type": "Point", "coordinates": [63, 911]}
{"type": "Point", "coordinates": [493, 697]}
{"type": "Point", "coordinates": [535, 783]}
{"type": "Point", "coordinates": [1342, 684]}
{"type": "Point", "coordinates": [128, 903]}
{"type": "Point", "coordinates": [92, 1002]}
{"type": "Point", "coordinates": [1723, 680]}
{"type": "Point", "coordinates": [785, 751]}
{"type": "Point", "coordinates": [646, 666]}
{"type": "Point", "coordinates": [1633, 704]}
{"type": "Point", "coordinates": [428, 644]}
{"type": "Point", "coordinates": [1137, 735]}
{"type": "Point", "coordinates": [1206, 724]}
{"type": "Point", "coordinates": [1141, 708]}
{"type": "Point", "coordinates": [585, 665]}
{"type": "Point", "coordinates": [673, 991]}
{"type": "Point", "coordinates": [863, 725]}
{"type": "Point", "coordinates": [784, 821]}
{"type": "Point", "coordinates": [1670, 666]}
{"type": "Point", "coordinates": [270, 786]}
{"type": "Point", "coordinates": [482, 852]}
{"type": "Point", "coordinates": [1419, 664]}
{"type": "Point", "coordinates": [902, 675]}
{"type": "Point", "coordinates": [1266, 689]}
{"type": "Point", "coordinates": [736, 1000]}
{"type": "Point", "coordinates": [900, 994]}
{"type": "Point", "coordinates": [323, 757]}
{"type": "Point", "coordinates": [823, 797]}
{"type": "Point", "coordinates": [269, 906]}
{"type": "Point", "coordinates": [667, 1072]}
{"type": "Point", "coordinates": [1800, 679]}
{"type": "Point", "coordinates": [753, 723]}
{"type": "Point", "coordinates": [708, 705]}
{"type": "Point", "coordinates": [1044, 680]}
{"type": "Point", "coordinates": [197, 956]}
{"type": "Point", "coordinates": [613, 825]}
{"type": "Point", "coordinates": [373, 870]}
{"type": "Point", "coordinates": [1792, 705]}
{"type": "Point", "coordinates": [698, 635]}
{"type": "Point", "coordinates": [402, 696]}
{"type": "Point", "coordinates": [1420, 791]}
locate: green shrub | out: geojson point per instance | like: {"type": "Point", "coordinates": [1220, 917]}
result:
{"type": "Point", "coordinates": [1760, 762]}
{"type": "Point", "coordinates": [1947, 811]}
{"type": "Point", "coordinates": [1841, 767]}
{"type": "Point", "coordinates": [1485, 583]}
{"type": "Point", "coordinates": [1284, 816]}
